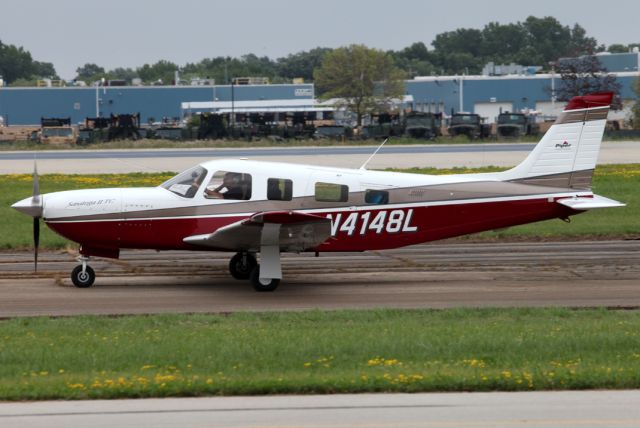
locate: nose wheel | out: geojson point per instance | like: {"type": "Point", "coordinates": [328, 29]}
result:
{"type": "Point", "coordinates": [83, 276]}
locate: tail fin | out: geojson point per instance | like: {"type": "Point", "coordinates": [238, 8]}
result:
{"type": "Point", "coordinates": [567, 154]}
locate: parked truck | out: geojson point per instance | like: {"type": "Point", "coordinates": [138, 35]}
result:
{"type": "Point", "coordinates": [423, 125]}
{"type": "Point", "coordinates": [55, 130]}
{"type": "Point", "coordinates": [469, 124]}
{"type": "Point", "coordinates": [513, 125]}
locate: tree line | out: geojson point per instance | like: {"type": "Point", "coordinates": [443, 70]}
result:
{"type": "Point", "coordinates": [535, 41]}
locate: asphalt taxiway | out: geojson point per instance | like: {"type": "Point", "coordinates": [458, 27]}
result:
{"type": "Point", "coordinates": [391, 156]}
{"type": "Point", "coordinates": [437, 275]}
{"type": "Point", "coordinates": [567, 409]}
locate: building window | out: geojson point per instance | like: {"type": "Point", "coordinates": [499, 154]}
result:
{"type": "Point", "coordinates": [279, 189]}
{"type": "Point", "coordinates": [330, 192]}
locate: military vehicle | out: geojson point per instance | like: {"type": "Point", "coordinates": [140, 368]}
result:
{"type": "Point", "coordinates": [124, 127]}
{"type": "Point", "coordinates": [55, 130]}
{"type": "Point", "coordinates": [516, 125]}
{"type": "Point", "coordinates": [469, 124]}
{"type": "Point", "coordinates": [212, 126]}
{"type": "Point", "coordinates": [94, 130]}
{"type": "Point", "coordinates": [333, 132]}
{"type": "Point", "coordinates": [423, 125]}
{"type": "Point", "coordinates": [383, 125]}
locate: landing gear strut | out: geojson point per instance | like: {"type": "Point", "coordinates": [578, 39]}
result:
{"type": "Point", "coordinates": [241, 265]}
{"type": "Point", "coordinates": [82, 275]}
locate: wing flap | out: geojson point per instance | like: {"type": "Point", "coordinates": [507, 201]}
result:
{"type": "Point", "coordinates": [298, 232]}
{"type": "Point", "coordinates": [582, 203]}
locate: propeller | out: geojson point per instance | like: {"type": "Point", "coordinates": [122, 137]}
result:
{"type": "Point", "coordinates": [33, 207]}
{"type": "Point", "coordinates": [36, 201]}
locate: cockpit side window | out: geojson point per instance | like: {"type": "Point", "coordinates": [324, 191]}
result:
{"type": "Point", "coordinates": [187, 183]}
{"type": "Point", "coordinates": [229, 185]}
{"type": "Point", "coordinates": [379, 197]}
{"type": "Point", "coordinates": [331, 192]}
{"type": "Point", "coordinates": [279, 189]}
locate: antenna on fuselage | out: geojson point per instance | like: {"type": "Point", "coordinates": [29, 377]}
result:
{"type": "Point", "coordinates": [374, 153]}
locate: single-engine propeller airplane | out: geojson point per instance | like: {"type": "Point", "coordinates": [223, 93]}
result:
{"type": "Point", "coordinates": [250, 207]}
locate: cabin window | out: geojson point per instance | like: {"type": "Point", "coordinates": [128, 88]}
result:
{"type": "Point", "coordinates": [379, 197]}
{"type": "Point", "coordinates": [229, 185]}
{"type": "Point", "coordinates": [279, 189]}
{"type": "Point", "coordinates": [330, 192]}
{"type": "Point", "coordinates": [187, 183]}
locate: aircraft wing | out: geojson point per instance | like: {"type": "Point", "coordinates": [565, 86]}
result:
{"type": "Point", "coordinates": [295, 231]}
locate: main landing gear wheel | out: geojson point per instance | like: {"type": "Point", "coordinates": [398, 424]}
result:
{"type": "Point", "coordinates": [83, 278]}
{"type": "Point", "coordinates": [264, 284]}
{"type": "Point", "coordinates": [241, 265]}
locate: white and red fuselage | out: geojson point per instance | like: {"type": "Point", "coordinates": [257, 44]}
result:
{"type": "Point", "coordinates": [369, 210]}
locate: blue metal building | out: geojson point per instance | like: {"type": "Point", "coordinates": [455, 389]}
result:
{"type": "Point", "coordinates": [488, 95]}
{"type": "Point", "coordinates": [25, 106]}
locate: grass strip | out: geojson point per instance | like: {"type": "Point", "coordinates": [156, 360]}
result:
{"type": "Point", "coordinates": [620, 182]}
{"type": "Point", "coordinates": [319, 352]}
{"type": "Point", "coordinates": [254, 142]}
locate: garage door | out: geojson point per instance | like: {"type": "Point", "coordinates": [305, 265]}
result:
{"type": "Point", "coordinates": [490, 111]}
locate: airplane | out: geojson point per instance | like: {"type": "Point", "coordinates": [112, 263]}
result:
{"type": "Point", "coordinates": [267, 208]}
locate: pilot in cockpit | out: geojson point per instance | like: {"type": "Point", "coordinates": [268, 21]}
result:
{"type": "Point", "coordinates": [230, 188]}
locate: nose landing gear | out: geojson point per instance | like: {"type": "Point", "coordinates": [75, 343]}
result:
{"type": "Point", "coordinates": [83, 275]}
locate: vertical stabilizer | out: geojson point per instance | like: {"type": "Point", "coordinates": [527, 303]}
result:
{"type": "Point", "coordinates": [570, 147]}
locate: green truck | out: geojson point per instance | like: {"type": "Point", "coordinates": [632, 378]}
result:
{"type": "Point", "coordinates": [514, 125]}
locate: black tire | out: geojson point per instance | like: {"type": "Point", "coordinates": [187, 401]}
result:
{"type": "Point", "coordinates": [259, 286]}
{"type": "Point", "coordinates": [241, 269]}
{"type": "Point", "coordinates": [83, 280]}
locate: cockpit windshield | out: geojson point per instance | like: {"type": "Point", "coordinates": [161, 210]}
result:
{"type": "Point", "coordinates": [187, 183]}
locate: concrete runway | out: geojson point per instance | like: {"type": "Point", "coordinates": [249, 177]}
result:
{"type": "Point", "coordinates": [438, 275]}
{"type": "Point", "coordinates": [440, 156]}
{"type": "Point", "coordinates": [570, 409]}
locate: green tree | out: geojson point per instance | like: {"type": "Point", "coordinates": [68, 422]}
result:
{"type": "Point", "coordinates": [301, 64]}
{"type": "Point", "coordinates": [89, 72]}
{"type": "Point", "coordinates": [364, 79]}
{"type": "Point", "coordinates": [415, 60]}
{"type": "Point", "coordinates": [585, 75]}
{"type": "Point", "coordinates": [16, 63]}
{"type": "Point", "coordinates": [459, 51]}
{"type": "Point", "coordinates": [620, 48]}
{"type": "Point", "coordinates": [162, 70]}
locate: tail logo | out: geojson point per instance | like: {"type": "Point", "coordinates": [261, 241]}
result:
{"type": "Point", "coordinates": [564, 145]}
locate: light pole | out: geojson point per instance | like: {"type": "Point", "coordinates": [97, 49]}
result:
{"type": "Point", "coordinates": [461, 93]}
{"type": "Point", "coordinates": [553, 85]}
{"type": "Point", "coordinates": [233, 113]}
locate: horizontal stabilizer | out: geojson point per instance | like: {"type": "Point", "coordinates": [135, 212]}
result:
{"type": "Point", "coordinates": [581, 203]}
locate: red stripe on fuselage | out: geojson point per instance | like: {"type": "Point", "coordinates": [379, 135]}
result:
{"type": "Point", "coordinates": [416, 225]}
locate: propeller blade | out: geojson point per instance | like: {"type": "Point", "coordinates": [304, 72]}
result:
{"type": "Point", "coordinates": [36, 241]}
{"type": "Point", "coordinates": [36, 219]}
{"type": "Point", "coordinates": [36, 184]}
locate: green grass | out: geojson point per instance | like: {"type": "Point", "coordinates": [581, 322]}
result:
{"type": "Point", "coordinates": [261, 142]}
{"type": "Point", "coordinates": [318, 352]}
{"type": "Point", "coordinates": [620, 182]}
